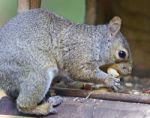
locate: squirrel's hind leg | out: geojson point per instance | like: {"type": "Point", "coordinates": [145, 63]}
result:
{"type": "Point", "coordinates": [45, 108]}
{"type": "Point", "coordinates": [33, 92]}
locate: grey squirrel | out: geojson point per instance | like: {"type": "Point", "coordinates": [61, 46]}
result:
{"type": "Point", "coordinates": [37, 46]}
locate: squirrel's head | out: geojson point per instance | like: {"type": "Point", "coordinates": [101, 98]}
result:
{"type": "Point", "coordinates": [119, 55]}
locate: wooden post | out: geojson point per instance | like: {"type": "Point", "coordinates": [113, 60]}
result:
{"type": "Point", "coordinates": [24, 5]}
{"type": "Point", "coordinates": [145, 99]}
{"type": "Point", "coordinates": [35, 4]}
{"type": "Point", "coordinates": [90, 16]}
{"type": "Point", "coordinates": [104, 11]}
{"type": "Point", "coordinates": [98, 11]}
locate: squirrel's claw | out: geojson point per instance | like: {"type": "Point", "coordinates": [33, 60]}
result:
{"type": "Point", "coordinates": [55, 100]}
{"type": "Point", "coordinates": [113, 83]}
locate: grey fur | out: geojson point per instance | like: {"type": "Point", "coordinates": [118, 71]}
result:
{"type": "Point", "coordinates": [35, 41]}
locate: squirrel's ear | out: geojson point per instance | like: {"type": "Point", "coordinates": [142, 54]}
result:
{"type": "Point", "coordinates": [114, 25]}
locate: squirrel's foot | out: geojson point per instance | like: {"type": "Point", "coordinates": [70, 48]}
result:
{"type": "Point", "coordinates": [55, 100]}
{"type": "Point", "coordinates": [44, 108]}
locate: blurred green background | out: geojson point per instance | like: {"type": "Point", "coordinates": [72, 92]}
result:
{"type": "Point", "coordinates": [70, 9]}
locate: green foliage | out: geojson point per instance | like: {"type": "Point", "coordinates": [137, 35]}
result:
{"type": "Point", "coordinates": [8, 9]}
{"type": "Point", "coordinates": [70, 9]}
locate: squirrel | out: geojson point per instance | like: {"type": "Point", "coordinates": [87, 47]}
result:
{"type": "Point", "coordinates": [38, 46]}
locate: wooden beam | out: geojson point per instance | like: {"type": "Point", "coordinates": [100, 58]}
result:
{"type": "Point", "coordinates": [35, 4]}
{"type": "Point", "coordinates": [23, 5]}
{"type": "Point", "coordinates": [98, 11]}
{"type": "Point", "coordinates": [103, 95]}
{"type": "Point", "coordinates": [104, 11]}
{"type": "Point", "coordinates": [90, 15]}
{"type": "Point", "coordinates": [14, 116]}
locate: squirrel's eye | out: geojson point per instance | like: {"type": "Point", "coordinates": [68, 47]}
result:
{"type": "Point", "coordinates": [122, 54]}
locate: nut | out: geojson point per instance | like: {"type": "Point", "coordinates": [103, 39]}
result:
{"type": "Point", "coordinates": [113, 72]}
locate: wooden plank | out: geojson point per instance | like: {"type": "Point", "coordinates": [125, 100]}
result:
{"type": "Point", "coordinates": [11, 116]}
{"type": "Point", "coordinates": [90, 15]}
{"type": "Point", "coordinates": [92, 108]}
{"type": "Point", "coordinates": [35, 4]}
{"type": "Point", "coordinates": [145, 99]}
{"type": "Point", "coordinates": [74, 107]}
{"type": "Point", "coordinates": [23, 5]}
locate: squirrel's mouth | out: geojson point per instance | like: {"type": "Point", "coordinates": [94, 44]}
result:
{"type": "Point", "coordinates": [117, 69]}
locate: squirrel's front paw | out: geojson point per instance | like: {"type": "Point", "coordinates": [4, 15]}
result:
{"type": "Point", "coordinates": [113, 83]}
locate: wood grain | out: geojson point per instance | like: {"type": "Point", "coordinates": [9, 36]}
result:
{"type": "Point", "coordinates": [23, 5]}
{"type": "Point", "coordinates": [145, 99]}
{"type": "Point", "coordinates": [35, 4]}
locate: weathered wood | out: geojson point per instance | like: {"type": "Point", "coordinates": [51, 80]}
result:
{"type": "Point", "coordinates": [90, 16]}
{"type": "Point", "coordinates": [104, 11]}
{"type": "Point", "coordinates": [35, 4]}
{"type": "Point", "coordinates": [86, 108]}
{"type": "Point", "coordinates": [12, 116]}
{"type": "Point", "coordinates": [98, 11]}
{"type": "Point", "coordinates": [103, 95]}
{"type": "Point", "coordinates": [23, 5]}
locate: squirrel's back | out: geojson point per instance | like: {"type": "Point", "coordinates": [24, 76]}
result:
{"type": "Point", "coordinates": [26, 38]}
{"type": "Point", "coordinates": [29, 31]}
{"type": "Point", "coordinates": [35, 22]}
